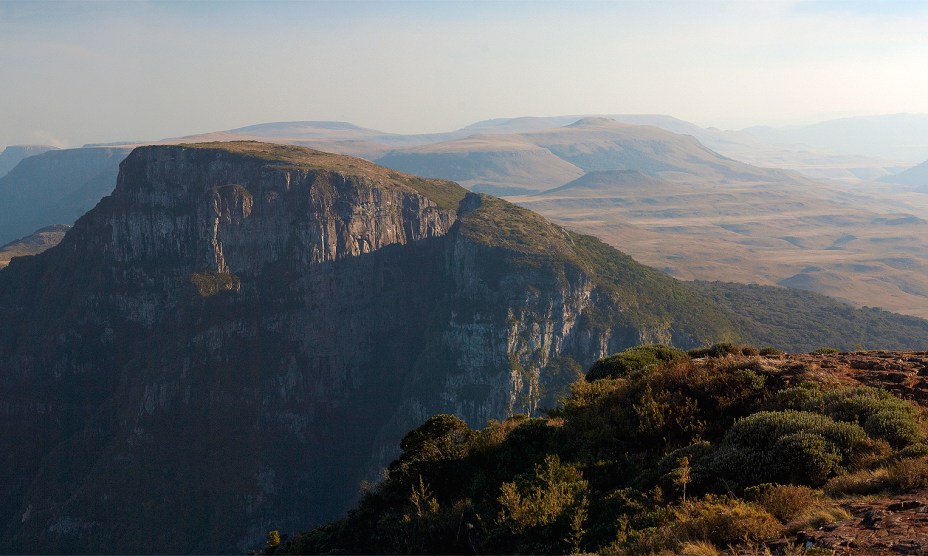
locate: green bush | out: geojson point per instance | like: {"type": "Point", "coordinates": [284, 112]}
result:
{"type": "Point", "coordinates": [633, 360]}
{"type": "Point", "coordinates": [806, 458]}
{"type": "Point", "coordinates": [786, 446]}
{"type": "Point", "coordinates": [723, 349]}
{"type": "Point", "coordinates": [770, 351]}
{"type": "Point", "coordinates": [883, 415]}
{"type": "Point", "coordinates": [899, 428]}
{"type": "Point", "coordinates": [440, 437]}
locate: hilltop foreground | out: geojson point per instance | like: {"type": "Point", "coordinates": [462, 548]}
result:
{"type": "Point", "coordinates": [241, 333]}
{"type": "Point", "coordinates": [658, 453]}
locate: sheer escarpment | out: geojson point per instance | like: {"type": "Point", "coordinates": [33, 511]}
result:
{"type": "Point", "coordinates": [241, 333]}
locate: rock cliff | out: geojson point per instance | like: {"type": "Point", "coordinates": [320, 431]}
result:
{"type": "Point", "coordinates": [241, 333]}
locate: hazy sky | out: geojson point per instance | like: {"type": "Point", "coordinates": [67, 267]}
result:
{"type": "Point", "coordinates": [73, 72]}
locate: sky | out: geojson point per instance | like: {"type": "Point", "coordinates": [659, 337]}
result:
{"type": "Point", "coordinates": [85, 72]}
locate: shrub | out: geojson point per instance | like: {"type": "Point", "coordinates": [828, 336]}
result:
{"type": "Point", "coordinates": [541, 498]}
{"type": "Point", "coordinates": [909, 473]}
{"type": "Point", "coordinates": [804, 397]}
{"type": "Point", "coordinates": [723, 349]}
{"type": "Point", "coordinates": [724, 521]}
{"type": "Point", "coordinates": [440, 437]}
{"type": "Point", "coordinates": [770, 351]}
{"type": "Point", "coordinates": [865, 481]}
{"type": "Point", "coordinates": [211, 283]}
{"type": "Point", "coordinates": [784, 502]}
{"type": "Point", "coordinates": [786, 446]}
{"type": "Point", "coordinates": [806, 457]}
{"type": "Point", "coordinates": [633, 360]}
{"type": "Point", "coordinates": [899, 428]}
{"type": "Point", "coordinates": [914, 451]}
{"type": "Point", "coordinates": [882, 414]}
{"type": "Point", "coordinates": [698, 455]}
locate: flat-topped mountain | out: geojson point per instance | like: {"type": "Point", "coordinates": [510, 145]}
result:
{"type": "Point", "coordinates": [12, 155]}
{"type": "Point", "coordinates": [242, 332]}
{"type": "Point", "coordinates": [537, 160]}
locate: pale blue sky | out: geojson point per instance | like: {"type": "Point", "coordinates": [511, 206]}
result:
{"type": "Point", "coordinates": [79, 72]}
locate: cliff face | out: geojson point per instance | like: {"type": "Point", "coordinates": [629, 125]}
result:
{"type": "Point", "coordinates": [241, 333]}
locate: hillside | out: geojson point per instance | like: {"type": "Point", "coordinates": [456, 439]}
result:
{"type": "Point", "coordinates": [12, 155]}
{"type": "Point", "coordinates": [500, 164]}
{"type": "Point", "coordinates": [916, 177]}
{"type": "Point", "coordinates": [804, 234]}
{"type": "Point", "coordinates": [736, 451]}
{"type": "Point", "coordinates": [33, 244]}
{"type": "Point", "coordinates": [543, 159]}
{"type": "Point", "coordinates": [242, 332]}
{"type": "Point", "coordinates": [55, 187]}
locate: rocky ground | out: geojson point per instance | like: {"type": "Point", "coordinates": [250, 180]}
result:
{"type": "Point", "coordinates": [904, 373]}
{"type": "Point", "coordinates": [881, 525]}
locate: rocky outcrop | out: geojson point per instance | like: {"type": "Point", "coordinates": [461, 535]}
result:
{"type": "Point", "coordinates": [241, 333]}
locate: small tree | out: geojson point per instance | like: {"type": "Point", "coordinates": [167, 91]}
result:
{"type": "Point", "coordinates": [682, 475]}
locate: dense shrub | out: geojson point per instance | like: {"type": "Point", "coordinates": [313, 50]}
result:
{"type": "Point", "coordinates": [770, 351]}
{"type": "Point", "coordinates": [440, 437]}
{"type": "Point", "coordinates": [786, 446]}
{"type": "Point", "coordinates": [806, 458]}
{"type": "Point", "coordinates": [633, 360]}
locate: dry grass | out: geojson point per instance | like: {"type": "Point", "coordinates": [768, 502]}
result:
{"type": "Point", "coordinates": [746, 232]}
{"type": "Point", "coordinates": [699, 548]}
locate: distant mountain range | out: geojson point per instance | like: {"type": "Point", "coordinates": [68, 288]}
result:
{"type": "Point", "coordinates": [55, 187]}
{"type": "Point", "coordinates": [902, 137]}
{"type": "Point", "coordinates": [12, 155]}
{"type": "Point", "coordinates": [717, 205]}
{"type": "Point", "coordinates": [916, 177]}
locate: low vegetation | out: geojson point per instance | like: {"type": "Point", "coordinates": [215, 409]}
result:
{"type": "Point", "coordinates": [654, 452]}
{"type": "Point", "coordinates": [211, 283]}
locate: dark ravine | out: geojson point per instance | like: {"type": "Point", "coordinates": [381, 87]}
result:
{"type": "Point", "coordinates": [242, 332]}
